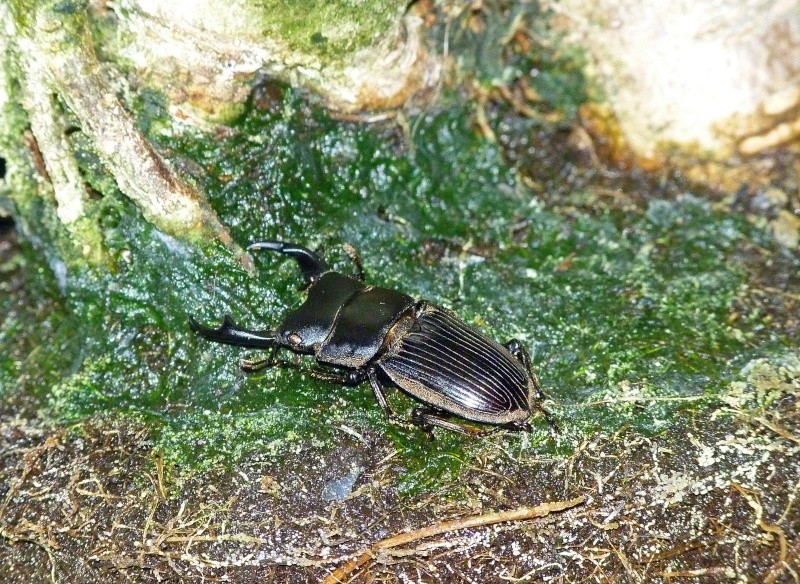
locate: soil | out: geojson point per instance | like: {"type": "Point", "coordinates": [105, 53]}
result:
{"type": "Point", "coordinates": [710, 499]}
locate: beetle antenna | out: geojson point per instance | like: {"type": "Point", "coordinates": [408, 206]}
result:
{"type": "Point", "coordinates": [311, 265]}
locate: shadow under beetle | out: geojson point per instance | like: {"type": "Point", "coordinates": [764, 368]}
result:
{"type": "Point", "coordinates": [357, 332]}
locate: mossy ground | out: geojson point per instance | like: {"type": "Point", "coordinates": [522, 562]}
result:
{"type": "Point", "coordinates": [619, 309]}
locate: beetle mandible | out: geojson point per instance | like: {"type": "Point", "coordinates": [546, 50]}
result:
{"type": "Point", "coordinates": [357, 332]}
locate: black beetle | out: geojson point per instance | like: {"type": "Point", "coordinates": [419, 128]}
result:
{"type": "Point", "coordinates": [358, 332]}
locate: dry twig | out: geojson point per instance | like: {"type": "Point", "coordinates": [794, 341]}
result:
{"type": "Point", "coordinates": [521, 514]}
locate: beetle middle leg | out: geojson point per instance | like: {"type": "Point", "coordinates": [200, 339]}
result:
{"type": "Point", "coordinates": [377, 389]}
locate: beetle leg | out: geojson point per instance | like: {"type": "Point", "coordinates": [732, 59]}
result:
{"type": "Point", "coordinates": [540, 397]}
{"type": "Point", "coordinates": [521, 354]}
{"type": "Point", "coordinates": [355, 257]}
{"type": "Point", "coordinates": [343, 378]}
{"type": "Point", "coordinates": [256, 365]}
{"type": "Point", "coordinates": [427, 418]}
{"type": "Point", "coordinates": [521, 426]}
{"type": "Point", "coordinates": [518, 350]}
{"type": "Point", "coordinates": [377, 389]}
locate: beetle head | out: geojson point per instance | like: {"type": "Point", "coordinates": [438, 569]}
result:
{"type": "Point", "coordinates": [300, 335]}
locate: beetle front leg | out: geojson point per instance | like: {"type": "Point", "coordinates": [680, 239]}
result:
{"type": "Point", "coordinates": [255, 365]}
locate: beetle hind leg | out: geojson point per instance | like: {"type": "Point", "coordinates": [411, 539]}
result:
{"type": "Point", "coordinates": [519, 352]}
{"type": "Point", "coordinates": [428, 418]}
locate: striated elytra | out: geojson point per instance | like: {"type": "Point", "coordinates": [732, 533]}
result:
{"type": "Point", "coordinates": [357, 332]}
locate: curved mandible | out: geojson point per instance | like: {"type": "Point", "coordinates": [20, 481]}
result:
{"type": "Point", "coordinates": [311, 265]}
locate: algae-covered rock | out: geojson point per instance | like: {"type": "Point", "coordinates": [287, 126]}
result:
{"type": "Point", "coordinates": [359, 56]}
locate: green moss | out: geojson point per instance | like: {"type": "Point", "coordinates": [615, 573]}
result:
{"type": "Point", "coordinates": [22, 12]}
{"type": "Point", "coordinates": [328, 30]}
{"type": "Point", "coordinates": [611, 306]}
{"type": "Point", "coordinates": [36, 344]}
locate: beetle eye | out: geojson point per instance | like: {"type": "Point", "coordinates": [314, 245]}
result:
{"type": "Point", "coordinates": [294, 339]}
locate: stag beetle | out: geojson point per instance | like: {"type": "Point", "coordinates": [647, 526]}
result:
{"type": "Point", "coordinates": [357, 332]}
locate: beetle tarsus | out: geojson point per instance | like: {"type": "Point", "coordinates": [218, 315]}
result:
{"type": "Point", "coordinates": [408, 424]}
{"type": "Point", "coordinates": [523, 426]}
{"type": "Point", "coordinates": [548, 416]}
{"type": "Point", "coordinates": [250, 366]}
